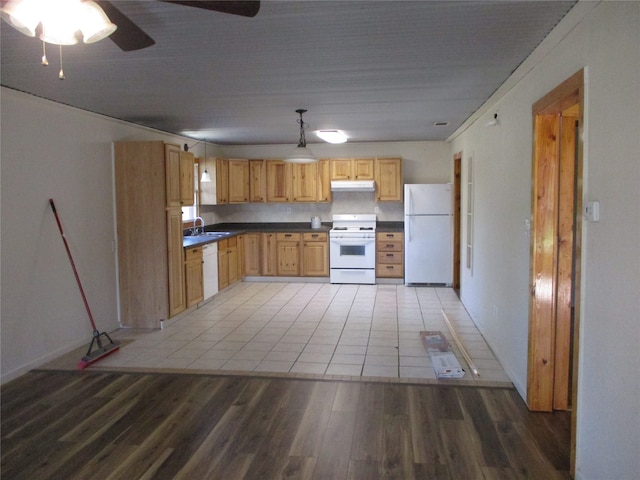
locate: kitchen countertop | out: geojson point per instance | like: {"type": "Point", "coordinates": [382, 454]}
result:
{"type": "Point", "coordinates": [234, 229]}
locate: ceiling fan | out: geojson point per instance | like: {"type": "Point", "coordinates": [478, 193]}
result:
{"type": "Point", "coordinates": [129, 36]}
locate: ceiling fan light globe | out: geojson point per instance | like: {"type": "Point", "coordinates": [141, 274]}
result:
{"type": "Point", "coordinates": [95, 25]}
{"type": "Point", "coordinates": [22, 15]}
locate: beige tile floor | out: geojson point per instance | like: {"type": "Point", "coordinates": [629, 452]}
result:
{"type": "Point", "coordinates": [311, 330]}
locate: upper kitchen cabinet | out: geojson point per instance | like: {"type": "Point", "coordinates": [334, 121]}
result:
{"type": "Point", "coordinates": [352, 169]}
{"type": "Point", "coordinates": [324, 180]}
{"type": "Point", "coordinates": [215, 192]}
{"type": "Point", "coordinates": [305, 182]}
{"type": "Point", "coordinates": [278, 181]}
{"type": "Point", "coordinates": [238, 180]}
{"type": "Point", "coordinates": [179, 176]}
{"type": "Point", "coordinates": [257, 181]}
{"type": "Point", "coordinates": [388, 177]}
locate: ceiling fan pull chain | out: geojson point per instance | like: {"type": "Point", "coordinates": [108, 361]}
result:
{"type": "Point", "coordinates": [44, 61]}
{"type": "Point", "coordinates": [61, 73]}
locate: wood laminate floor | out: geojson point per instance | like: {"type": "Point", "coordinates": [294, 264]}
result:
{"type": "Point", "coordinates": [126, 425]}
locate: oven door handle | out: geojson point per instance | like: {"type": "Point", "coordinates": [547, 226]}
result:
{"type": "Point", "coordinates": [353, 241]}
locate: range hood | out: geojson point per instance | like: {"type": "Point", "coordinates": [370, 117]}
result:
{"type": "Point", "coordinates": [353, 185]}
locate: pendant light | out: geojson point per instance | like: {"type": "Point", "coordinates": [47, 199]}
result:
{"type": "Point", "coordinates": [205, 178]}
{"type": "Point", "coordinates": [301, 154]}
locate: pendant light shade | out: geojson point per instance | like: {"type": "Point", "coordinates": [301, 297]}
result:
{"type": "Point", "coordinates": [301, 154]}
{"type": "Point", "coordinates": [205, 178]}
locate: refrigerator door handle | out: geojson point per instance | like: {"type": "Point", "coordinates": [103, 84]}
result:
{"type": "Point", "coordinates": [410, 218]}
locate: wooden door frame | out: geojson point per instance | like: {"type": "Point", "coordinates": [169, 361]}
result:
{"type": "Point", "coordinates": [457, 215]}
{"type": "Point", "coordinates": [547, 115]}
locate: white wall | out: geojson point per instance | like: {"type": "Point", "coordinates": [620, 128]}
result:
{"type": "Point", "coordinates": [606, 42]}
{"type": "Point", "coordinates": [52, 151]}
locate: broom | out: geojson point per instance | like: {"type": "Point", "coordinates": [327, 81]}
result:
{"type": "Point", "coordinates": [101, 343]}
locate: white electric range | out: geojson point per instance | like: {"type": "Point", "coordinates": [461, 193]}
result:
{"type": "Point", "coordinates": [352, 249]}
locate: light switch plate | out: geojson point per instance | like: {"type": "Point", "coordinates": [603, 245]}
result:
{"type": "Point", "coordinates": [592, 211]}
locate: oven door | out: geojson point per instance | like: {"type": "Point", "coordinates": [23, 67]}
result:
{"type": "Point", "coordinates": [352, 252]}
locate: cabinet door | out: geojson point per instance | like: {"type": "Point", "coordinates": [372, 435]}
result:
{"type": "Point", "coordinates": [223, 264]}
{"type": "Point", "coordinates": [288, 258]}
{"type": "Point", "coordinates": [172, 175]}
{"type": "Point", "coordinates": [315, 259]}
{"type": "Point", "coordinates": [252, 247]}
{"type": "Point", "coordinates": [193, 276]}
{"type": "Point", "coordinates": [222, 181]}
{"type": "Point", "coordinates": [177, 299]}
{"type": "Point", "coordinates": [238, 181]}
{"type": "Point", "coordinates": [257, 181]}
{"type": "Point", "coordinates": [341, 169]}
{"type": "Point", "coordinates": [232, 250]}
{"type": "Point", "coordinates": [363, 169]}
{"type": "Point", "coordinates": [389, 179]}
{"type": "Point", "coordinates": [269, 254]}
{"type": "Point", "coordinates": [278, 181]}
{"type": "Point", "coordinates": [324, 180]}
{"type": "Point", "coordinates": [305, 182]}
{"type": "Point", "coordinates": [187, 161]}
{"type": "Point", "coordinates": [242, 269]}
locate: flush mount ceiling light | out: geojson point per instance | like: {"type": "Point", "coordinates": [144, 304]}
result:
{"type": "Point", "coordinates": [301, 154]}
{"type": "Point", "coordinates": [58, 22]}
{"type": "Point", "coordinates": [332, 136]}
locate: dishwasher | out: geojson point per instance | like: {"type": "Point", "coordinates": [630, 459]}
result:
{"type": "Point", "coordinates": [210, 269]}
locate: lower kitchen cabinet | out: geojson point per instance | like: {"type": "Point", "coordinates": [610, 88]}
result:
{"type": "Point", "coordinates": [288, 254]}
{"type": "Point", "coordinates": [315, 254]}
{"type": "Point", "coordinates": [252, 248]}
{"type": "Point", "coordinates": [228, 263]}
{"type": "Point", "coordinates": [177, 297]}
{"type": "Point", "coordinates": [390, 255]}
{"type": "Point", "coordinates": [194, 275]}
{"type": "Point", "coordinates": [269, 255]}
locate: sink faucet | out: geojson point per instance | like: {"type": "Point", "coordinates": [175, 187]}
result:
{"type": "Point", "coordinates": [195, 223]}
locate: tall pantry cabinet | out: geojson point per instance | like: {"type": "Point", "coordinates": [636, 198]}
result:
{"type": "Point", "coordinates": [152, 185]}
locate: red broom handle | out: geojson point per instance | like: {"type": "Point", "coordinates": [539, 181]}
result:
{"type": "Point", "coordinates": [73, 265]}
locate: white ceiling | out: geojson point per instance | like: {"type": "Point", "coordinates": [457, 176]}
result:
{"type": "Point", "coordinates": [378, 70]}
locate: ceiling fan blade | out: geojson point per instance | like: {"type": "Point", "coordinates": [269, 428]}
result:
{"type": "Point", "coordinates": [128, 35]}
{"type": "Point", "coordinates": [244, 8]}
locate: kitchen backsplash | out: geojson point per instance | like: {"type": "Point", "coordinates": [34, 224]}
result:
{"type": "Point", "coordinates": [343, 202]}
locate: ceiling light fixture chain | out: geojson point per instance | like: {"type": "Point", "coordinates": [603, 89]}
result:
{"type": "Point", "coordinates": [301, 154]}
{"type": "Point", "coordinates": [303, 141]}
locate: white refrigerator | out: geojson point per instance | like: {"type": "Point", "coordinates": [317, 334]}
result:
{"type": "Point", "coordinates": [428, 234]}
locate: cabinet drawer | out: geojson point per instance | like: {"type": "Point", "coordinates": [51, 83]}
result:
{"type": "Point", "coordinates": [389, 246]}
{"type": "Point", "coordinates": [390, 257]}
{"type": "Point", "coordinates": [290, 237]}
{"type": "Point", "coordinates": [192, 254]}
{"type": "Point", "coordinates": [392, 236]}
{"type": "Point", "coordinates": [390, 271]}
{"type": "Point", "coordinates": [315, 237]}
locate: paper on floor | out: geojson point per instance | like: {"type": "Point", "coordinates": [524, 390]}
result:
{"type": "Point", "coordinates": [442, 357]}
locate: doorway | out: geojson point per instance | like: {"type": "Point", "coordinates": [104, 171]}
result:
{"type": "Point", "coordinates": [555, 250]}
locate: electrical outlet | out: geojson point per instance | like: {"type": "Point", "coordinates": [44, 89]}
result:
{"type": "Point", "coordinates": [376, 209]}
{"type": "Point", "coordinates": [288, 210]}
{"type": "Point", "coordinates": [592, 211]}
